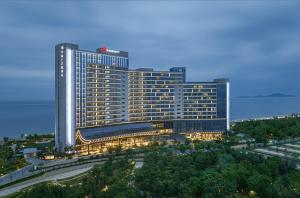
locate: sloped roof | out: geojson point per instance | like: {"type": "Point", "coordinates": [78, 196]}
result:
{"type": "Point", "coordinates": [106, 131]}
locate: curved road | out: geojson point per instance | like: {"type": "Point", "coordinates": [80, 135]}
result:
{"type": "Point", "coordinates": [49, 176]}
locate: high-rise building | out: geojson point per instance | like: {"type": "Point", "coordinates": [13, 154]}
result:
{"type": "Point", "coordinates": [96, 93]}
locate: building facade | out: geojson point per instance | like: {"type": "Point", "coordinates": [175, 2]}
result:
{"type": "Point", "coordinates": [98, 90]}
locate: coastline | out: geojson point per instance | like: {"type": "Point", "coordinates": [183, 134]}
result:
{"type": "Point", "coordinates": [38, 116]}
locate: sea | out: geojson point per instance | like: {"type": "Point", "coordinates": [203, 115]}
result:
{"type": "Point", "coordinates": [38, 116]}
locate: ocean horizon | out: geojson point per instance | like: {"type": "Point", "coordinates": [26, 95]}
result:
{"type": "Point", "coordinates": [17, 117]}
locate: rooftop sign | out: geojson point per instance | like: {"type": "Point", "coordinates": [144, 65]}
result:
{"type": "Point", "coordinates": [104, 49]}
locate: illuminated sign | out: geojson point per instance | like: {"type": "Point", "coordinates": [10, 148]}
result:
{"type": "Point", "coordinates": [104, 49]}
{"type": "Point", "coordinates": [113, 51]}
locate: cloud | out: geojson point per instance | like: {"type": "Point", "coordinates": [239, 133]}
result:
{"type": "Point", "coordinates": [253, 43]}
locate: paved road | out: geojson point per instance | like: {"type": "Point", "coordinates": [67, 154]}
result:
{"type": "Point", "coordinates": [275, 153]}
{"type": "Point", "coordinates": [49, 176]}
{"type": "Point", "coordinates": [16, 175]}
{"type": "Point", "coordinates": [27, 170]}
{"type": "Point", "coordinates": [280, 148]}
{"type": "Point", "coordinates": [293, 145]}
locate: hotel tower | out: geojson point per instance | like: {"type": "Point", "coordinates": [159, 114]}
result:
{"type": "Point", "coordinates": [98, 100]}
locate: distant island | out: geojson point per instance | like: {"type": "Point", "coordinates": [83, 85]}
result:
{"type": "Point", "coordinates": [273, 95]}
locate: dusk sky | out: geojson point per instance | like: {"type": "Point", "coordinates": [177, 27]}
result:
{"type": "Point", "coordinates": [256, 44]}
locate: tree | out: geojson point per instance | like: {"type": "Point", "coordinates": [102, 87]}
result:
{"type": "Point", "coordinates": [260, 184]}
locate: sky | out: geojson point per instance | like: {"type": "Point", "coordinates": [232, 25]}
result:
{"type": "Point", "coordinates": [256, 44]}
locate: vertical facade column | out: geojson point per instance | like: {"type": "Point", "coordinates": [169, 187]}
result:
{"type": "Point", "coordinates": [65, 95]}
{"type": "Point", "coordinates": [227, 106]}
{"type": "Point", "coordinates": [223, 101]}
{"type": "Point", "coordinates": [70, 98]}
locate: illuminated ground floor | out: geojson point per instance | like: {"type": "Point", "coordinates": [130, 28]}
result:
{"type": "Point", "coordinates": [134, 140]}
{"type": "Point", "coordinates": [205, 136]}
{"type": "Point", "coordinates": [123, 144]}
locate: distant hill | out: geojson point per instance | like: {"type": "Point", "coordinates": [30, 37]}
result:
{"type": "Point", "coordinates": [273, 95]}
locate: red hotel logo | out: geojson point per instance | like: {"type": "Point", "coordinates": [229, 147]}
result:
{"type": "Point", "coordinates": [103, 49]}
